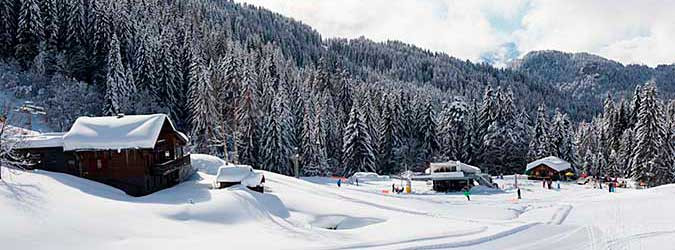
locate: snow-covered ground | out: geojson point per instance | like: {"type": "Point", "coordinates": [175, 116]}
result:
{"type": "Point", "coordinates": [44, 210]}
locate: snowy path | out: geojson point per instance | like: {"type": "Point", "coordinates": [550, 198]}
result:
{"type": "Point", "coordinates": [42, 210]}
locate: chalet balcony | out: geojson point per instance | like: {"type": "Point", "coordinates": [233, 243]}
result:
{"type": "Point", "coordinates": [170, 166]}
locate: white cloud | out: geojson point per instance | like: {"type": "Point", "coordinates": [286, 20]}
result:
{"type": "Point", "coordinates": [627, 31]}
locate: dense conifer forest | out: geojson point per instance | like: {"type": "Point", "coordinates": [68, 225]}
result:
{"type": "Point", "coordinates": [258, 87]}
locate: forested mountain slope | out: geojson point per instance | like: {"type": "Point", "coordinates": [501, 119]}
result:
{"type": "Point", "coordinates": [588, 79]}
{"type": "Point", "coordinates": [263, 87]}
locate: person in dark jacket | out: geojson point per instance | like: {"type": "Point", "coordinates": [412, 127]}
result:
{"type": "Point", "coordinates": [519, 193]}
{"type": "Point", "coordinates": [393, 188]}
{"type": "Point", "coordinates": [339, 182]}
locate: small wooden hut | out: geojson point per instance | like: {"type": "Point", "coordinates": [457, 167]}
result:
{"type": "Point", "coordinates": [551, 167]}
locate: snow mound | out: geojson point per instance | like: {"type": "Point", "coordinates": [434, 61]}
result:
{"type": "Point", "coordinates": [207, 164]}
{"type": "Point", "coordinates": [366, 177]}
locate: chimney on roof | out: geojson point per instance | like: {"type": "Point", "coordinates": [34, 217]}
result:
{"type": "Point", "coordinates": [120, 115]}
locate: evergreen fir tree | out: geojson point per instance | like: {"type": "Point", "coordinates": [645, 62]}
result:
{"type": "Point", "coordinates": [30, 31]}
{"type": "Point", "coordinates": [426, 137]}
{"type": "Point", "coordinates": [389, 142]}
{"type": "Point", "coordinates": [203, 113]}
{"type": "Point", "coordinates": [358, 150]}
{"type": "Point", "coordinates": [540, 143]}
{"type": "Point", "coordinates": [118, 87]}
{"type": "Point", "coordinates": [314, 156]}
{"type": "Point", "coordinates": [647, 164]}
{"type": "Point", "coordinates": [247, 119]}
{"type": "Point", "coordinates": [276, 145]}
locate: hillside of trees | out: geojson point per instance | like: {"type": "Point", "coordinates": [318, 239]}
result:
{"type": "Point", "coordinates": [258, 87]}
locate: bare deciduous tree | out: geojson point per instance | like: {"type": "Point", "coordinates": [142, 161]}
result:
{"type": "Point", "coordinates": [9, 159]}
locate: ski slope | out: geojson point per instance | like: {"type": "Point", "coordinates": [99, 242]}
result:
{"type": "Point", "coordinates": [44, 210]}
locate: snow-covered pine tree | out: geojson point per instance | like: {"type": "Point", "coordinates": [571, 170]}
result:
{"type": "Point", "coordinates": [165, 85]}
{"type": "Point", "coordinates": [389, 141]}
{"type": "Point", "coordinates": [358, 149]}
{"type": "Point", "coordinates": [276, 145]}
{"type": "Point", "coordinates": [247, 118]}
{"type": "Point", "coordinates": [648, 165]}
{"type": "Point", "coordinates": [540, 142]}
{"type": "Point", "coordinates": [330, 125]}
{"type": "Point", "coordinates": [145, 70]}
{"type": "Point", "coordinates": [626, 152]}
{"type": "Point", "coordinates": [504, 149]}
{"type": "Point", "coordinates": [30, 31]}
{"type": "Point", "coordinates": [486, 116]}
{"type": "Point", "coordinates": [344, 93]}
{"type": "Point", "coordinates": [408, 130]}
{"type": "Point", "coordinates": [562, 137]}
{"type": "Point", "coordinates": [203, 113]}
{"type": "Point", "coordinates": [427, 135]}
{"type": "Point", "coordinates": [636, 104]}
{"type": "Point", "coordinates": [184, 67]}
{"type": "Point", "coordinates": [453, 131]}
{"type": "Point", "coordinates": [118, 87]}
{"type": "Point", "coordinates": [314, 156]}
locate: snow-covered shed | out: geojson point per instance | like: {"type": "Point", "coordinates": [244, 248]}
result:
{"type": "Point", "coordinates": [230, 175]}
{"type": "Point", "coordinates": [45, 151]}
{"type": "Point", "coordinates": [550, 167]}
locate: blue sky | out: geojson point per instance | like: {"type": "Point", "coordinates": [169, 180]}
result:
{"type": "Point", "coordinates": [497, 31]}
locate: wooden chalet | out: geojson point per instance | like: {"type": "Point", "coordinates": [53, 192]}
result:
{"type": "Point", "coordinates": [549, 168]}
{"type": "Point", "coordinates": [138, 154]}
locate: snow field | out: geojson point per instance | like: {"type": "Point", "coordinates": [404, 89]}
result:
{"type": "Point", "coordinates": [44, 210]}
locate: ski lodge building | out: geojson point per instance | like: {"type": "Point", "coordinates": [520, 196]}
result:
{"type": "Point", "coordinates": [138, 154]}
{"type": "Point", "coordinates": [452, 176]}
{"type": "Point", "coordinates": [551, 167]}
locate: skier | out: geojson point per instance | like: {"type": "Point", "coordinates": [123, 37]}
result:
{"type": "Point", "coordinates": [393, 188]}
{"type": "Point", "coordinates": [519, 194]}
{"type": "Point", "coordinates": [557, 183]}
{"type": "Point", "coordinates": [357, 181]}
{"type": "Point", "coordinates": [543, 183]}
{"type": "Point", "coordinates": [339, 182]}
{"type": "Point", "coordinates": [467, 193]}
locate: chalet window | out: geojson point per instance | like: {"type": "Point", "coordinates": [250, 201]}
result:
{"type": "Point", "coordinates": [167, 154]}
{"type": "Point", "coordinates": [98, 163]}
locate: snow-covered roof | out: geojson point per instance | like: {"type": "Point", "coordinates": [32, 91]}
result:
{"type": "Point", "coordinates": [233, 173]}
{"type": "Point", "coordinates": [553, 162]}
{"type": "Point", "coordinates": [44, 140]}
{"type": "Point", "coordinates": [253, 180]}
{"type": "Point", "coordinates": [116, 132]}
{"type": "Point", "coordinates": [453, 166]}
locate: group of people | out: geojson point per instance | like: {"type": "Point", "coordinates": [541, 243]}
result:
{"type": "Point", "coordinates": [548, 183]}
{"type": "Point", "coordinates": [395, 189]}
{"type": "Point", "coordinates": [612, 184]}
